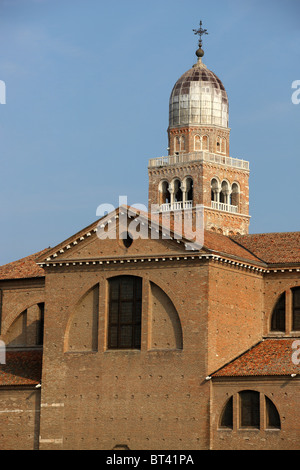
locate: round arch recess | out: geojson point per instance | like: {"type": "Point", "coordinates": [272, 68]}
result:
{"type": "Point", "coordinates": [81, 333]}
{"type": "Point", "coordinates": [166, 329]}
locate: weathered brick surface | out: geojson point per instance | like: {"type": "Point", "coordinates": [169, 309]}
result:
{"type": "Point", "coordinates": [234, 315]}
{"type": "Point", "coordinates": [19, 418]}
{"type": "Point", "coordinates": [118, 391]}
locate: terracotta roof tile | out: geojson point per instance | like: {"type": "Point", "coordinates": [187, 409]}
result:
{"type": "Point", "coordinates": [223, 244]}
{"type": "Point", "coordinates": [273, 248]}
{"type": "Point", "coordinates": [21, 368]}
{"type": "Point", "coordinates": [271, 356]}
{"type": "Point", "coordinates": [23, 268]}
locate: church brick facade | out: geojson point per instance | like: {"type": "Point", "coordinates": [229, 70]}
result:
{"type": "Point", "coordinates": [147, 343]}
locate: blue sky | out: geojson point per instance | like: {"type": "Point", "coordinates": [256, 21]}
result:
{"type": "Point", "coordinates": [87, 90]}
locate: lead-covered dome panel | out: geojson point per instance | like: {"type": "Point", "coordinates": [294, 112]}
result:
{"type": "Point", "coordinates": [198, 98]}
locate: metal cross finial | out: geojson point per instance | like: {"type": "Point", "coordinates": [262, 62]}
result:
{"type": "Point", "coordinates": [200, 32]}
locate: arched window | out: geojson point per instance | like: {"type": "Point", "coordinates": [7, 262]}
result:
{"type": "Point", "coordinates": [165, 197]}
{"type": "Point", "coordinates": [125, 309]}
{"type": "Point", "coordinates": [179, 143]}
{"type": "Point", "coordinates": [225, 192]}
{"type": "Point", "coordinates": [286, 315]}
{"type": "Point", "coordinates": [235, 194]}
{"type": "Point", "coordinates": [248, 411]}
{"type": "Point", "coordinates": [278, 315]}
{"type": "Point", "coordinates": [177, 191]}
{"type": "Point", "coordinates": [201, 142]}
{"type": "Point", "coordinates": [221, 145]}
{"type": "Point", "coordinates": [215, 191]}
{"type": "Point", "coordinates": [182, 143]}
{"type": "Point", "coordinates": [205, 142]}
{"type": "Point", "coordinates": [197, 142]}
{"type": "Point", "coordinates": [189, 189]}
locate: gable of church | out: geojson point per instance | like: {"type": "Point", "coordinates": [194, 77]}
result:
{"type": "Point", "coordinates": [120, 234]}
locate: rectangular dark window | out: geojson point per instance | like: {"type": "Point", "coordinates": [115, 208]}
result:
{"type": "Point", "coordinates": [278, 316]}
{"type": "Point", "coordinates": [40, 325]}
{"type": "Point", "coordinates": [296, 308]}
{"type": "Point", "coordinates": [249, 409]}
{"type": "Point", "coordinates": [125, 308]}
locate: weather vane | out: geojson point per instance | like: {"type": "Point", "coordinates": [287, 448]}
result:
{"type": "Point", "coordinates": [200, 32]}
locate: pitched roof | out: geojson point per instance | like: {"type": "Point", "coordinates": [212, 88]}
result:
{"type": "Point", "coordinates": [21, 368]}
{"type": "Point", "coordinates": [212, 242]}
{"type": "Point", "coordinates": [272, 356]}
{"type": "Point", "coordinates": [23, 268]}
{"type": "Point", "coordinates": [273, 248]}
{"type": "Point", "coordinates": [261, 249]}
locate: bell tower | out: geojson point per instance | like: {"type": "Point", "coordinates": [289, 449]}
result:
{"type": "Point", "coordinates": [199, 169]}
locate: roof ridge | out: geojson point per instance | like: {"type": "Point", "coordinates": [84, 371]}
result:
{"type": "Point", "coordinates": [247, 249]}
{"type": "Point", "coordinates": [247, 235]}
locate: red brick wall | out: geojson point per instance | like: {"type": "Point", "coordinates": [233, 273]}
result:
{"type": "Point", "coordinates": [189, 134]}
{"type": "Point", "coordinates": [105, 398]}
{"type": "Point", "coordinates": [234, 313]}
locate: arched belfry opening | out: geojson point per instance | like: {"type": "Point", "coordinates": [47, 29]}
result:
{"type": "Point", "coordinates": [225, 192]}
{"type": "Point", "coordinates": [189, 189]}
{"type": "Point", "coordinates": [177, 191]}
{"type": "Point", "coordinates": [164, 193]}
{"type": "Point", "coordinates": [215, 190]}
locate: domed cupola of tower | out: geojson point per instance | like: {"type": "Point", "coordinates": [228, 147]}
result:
{"type": "Point", "coordinates": [198, 98]}
{"type": "Point", "coordinates": [198, 110]}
